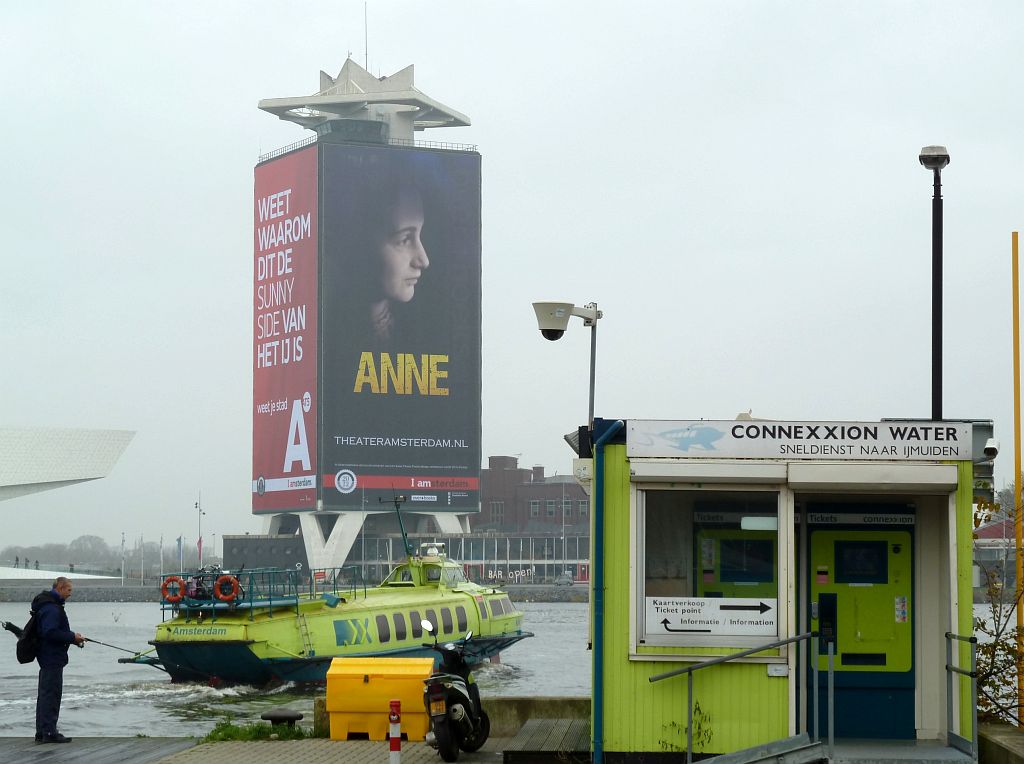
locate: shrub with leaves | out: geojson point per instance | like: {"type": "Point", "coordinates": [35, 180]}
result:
{"type": "Point", "coordinates": [226, 729]}
{"type": "Point", "coordinates": [999, 652]}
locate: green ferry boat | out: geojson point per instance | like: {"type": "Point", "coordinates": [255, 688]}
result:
{"type": "Point", "coordinates": [270, 625]}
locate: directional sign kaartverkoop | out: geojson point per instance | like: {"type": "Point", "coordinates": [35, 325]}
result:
{"type": "Point", "coordinates": [694, 616]}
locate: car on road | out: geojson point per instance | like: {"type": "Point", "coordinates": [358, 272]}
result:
{"type": "Point", "coordinates": [564, 580]}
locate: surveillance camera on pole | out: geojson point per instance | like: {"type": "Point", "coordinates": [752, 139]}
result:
{"type": "Point", "coordinates": [553, 317]}
{"type": "Point", "coordinates": [553, 320]}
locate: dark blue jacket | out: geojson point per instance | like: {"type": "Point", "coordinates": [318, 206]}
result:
{"type": "Point", "coordinates": [55, 635]}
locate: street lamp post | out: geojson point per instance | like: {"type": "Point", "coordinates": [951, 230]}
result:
{"type": "Point", "coordinates": [935, 158]}
{"type": "Point", "coordinates": [553, 319]}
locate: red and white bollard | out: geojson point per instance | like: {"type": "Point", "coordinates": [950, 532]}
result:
{"type": "Point", "coordinates": [395, 733]}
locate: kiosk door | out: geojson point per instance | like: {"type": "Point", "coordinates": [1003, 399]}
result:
{"type": "Point", "coordinates": [861, 599]}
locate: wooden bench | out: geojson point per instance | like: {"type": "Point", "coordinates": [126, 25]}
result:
{"type": "Point", "coordinates": [541, 741]}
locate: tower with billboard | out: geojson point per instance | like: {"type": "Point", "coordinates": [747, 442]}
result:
{"type": "Point", "coordinates": [366, 315]}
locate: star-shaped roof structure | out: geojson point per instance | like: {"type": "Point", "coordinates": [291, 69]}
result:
{"type": "Point", "coordinates": [357, 94]}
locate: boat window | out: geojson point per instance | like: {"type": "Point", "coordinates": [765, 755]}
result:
{"type": "Point", "coordinates": [446, 620]}
{"type": "Point", "coordinates": [414, 619]}
{"type": "Point", "coordinates": [433, 573]}
{"type": "Point", "coordinates": [460, 615]}
{"type": "Point", "coordinates": [432, 617]}
{"type": "Point", "coordinates": [383, 629]}
{"type": "Point", "coordinates": [507, 606]}
{"type": "Point", "coordinates": [453, 576]}
{"type": "Point", "coordinates": [483, 609]}
{"type": "Point", "coordinates": [496, 608]}
{"type": "Point", "coordinates": [399, 625]}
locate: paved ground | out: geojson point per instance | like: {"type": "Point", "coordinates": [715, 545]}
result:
{"type": "Point", "coordinates": [96, 750]}
{"type": "Point", "coordinates": [322, 751]}
{"type": "Point", "coordinates": [92, 750]}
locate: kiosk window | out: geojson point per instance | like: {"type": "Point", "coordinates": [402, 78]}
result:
{"type": "Point", "coordinates": [701, 549]}
{"type": "Point", "coordinates": [862, 562]}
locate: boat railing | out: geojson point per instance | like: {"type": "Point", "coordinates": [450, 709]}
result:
{"type": "Point", "coordinates": [812, 637]}
{"type": "Point", "coordinates": [345, 581]}
{"type": "Point", "coordinates": [212, 591]}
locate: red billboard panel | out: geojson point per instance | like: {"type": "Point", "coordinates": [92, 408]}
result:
{"type": "Point", "coordinates": [400, 328]}
{"type": "Point", "coordinates": [284, 453]}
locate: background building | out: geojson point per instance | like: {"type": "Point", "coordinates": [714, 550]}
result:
{"type": "Point", "coordinates": [38, 459]}
{"type": "Point", "coordinates": [532, 528]}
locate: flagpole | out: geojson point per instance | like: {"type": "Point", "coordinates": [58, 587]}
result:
{"type": "Point", "coordinates": [142, 559]}
{"type": "Point", "coordinates": [1016, 471]}
{"type": "Point", "coordinates": [199, 543]}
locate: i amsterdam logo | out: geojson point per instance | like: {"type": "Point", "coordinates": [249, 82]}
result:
{"type": "Point", "coordinates": [261, 485]}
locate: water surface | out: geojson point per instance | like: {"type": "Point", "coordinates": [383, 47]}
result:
{"type": "Point", "coordinates": [103, 697]}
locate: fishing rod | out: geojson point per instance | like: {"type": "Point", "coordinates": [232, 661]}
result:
{"type": "Point", "coordinates": [16, 631]}
{"type": "Point", "coordinates": [115, 647]}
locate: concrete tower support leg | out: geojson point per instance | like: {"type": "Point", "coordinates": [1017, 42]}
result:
{"type": "Point", "coordinates": [272, 523]}
{"type": "Point", "coordinates": [448, 522]}
{"type": "Point", "coordinates": [332, 551]}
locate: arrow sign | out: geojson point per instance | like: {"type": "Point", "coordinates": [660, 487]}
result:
{"type": "Point", "coordinates": [761, 607]}
{"type": "Point", "coordinates": [666, 622]}
{"type": "Point", "coordinates": [675, 619]}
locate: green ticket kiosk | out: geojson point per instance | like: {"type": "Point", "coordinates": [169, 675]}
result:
{"type": "Point", "coordinates": [733, 556]}
{"type": "Point", "coordinates": [861, 603]}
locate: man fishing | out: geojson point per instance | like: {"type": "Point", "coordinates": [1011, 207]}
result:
{"type": "Point", "coordinates": [55, 637]}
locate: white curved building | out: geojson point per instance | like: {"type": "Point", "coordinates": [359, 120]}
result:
{"type": "Point", "coordinates": [38, 459]}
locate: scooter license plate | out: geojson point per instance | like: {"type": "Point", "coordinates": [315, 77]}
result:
{"type": "Point", "coordinates": [437, 707]}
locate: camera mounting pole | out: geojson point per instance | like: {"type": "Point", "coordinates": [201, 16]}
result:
{"type": "Point", "coordinates": [553, 319]}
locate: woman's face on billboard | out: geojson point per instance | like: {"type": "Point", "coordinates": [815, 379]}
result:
{"type": "Point", "coordinates": [402, 256]}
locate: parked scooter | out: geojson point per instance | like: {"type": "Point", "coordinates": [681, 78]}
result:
{"type": "Point", "coordinates": [451, 698]}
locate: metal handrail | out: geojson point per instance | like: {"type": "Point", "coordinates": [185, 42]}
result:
{"type": "Point", "coordinates": [285, 149]}
{"type": "Point", "coordinates": [410, 142]}
{"type": "Point", "coordinates": [811, 635]}
{"type": "Point", "coordinates": [262, 588]}
{"type": "Point", "coordinates": [970, 747]}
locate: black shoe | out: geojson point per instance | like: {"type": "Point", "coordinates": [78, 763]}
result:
{"type": "Point", "coordinates": [39, 737]}
{"type": "Point", "coordinates": [56, 738]}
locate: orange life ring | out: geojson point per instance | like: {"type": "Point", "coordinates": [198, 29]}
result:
{"type": "Point", "coordinates": [165, 589]}
{"type": "Point", "coordinates": [220, 583]}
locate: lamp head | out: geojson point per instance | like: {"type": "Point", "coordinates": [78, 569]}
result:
{"type": "Point", "coordinates": [934, 157]}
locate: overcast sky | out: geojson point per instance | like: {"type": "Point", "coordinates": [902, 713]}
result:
{"type": "Point", "coordinates": [736, 185]}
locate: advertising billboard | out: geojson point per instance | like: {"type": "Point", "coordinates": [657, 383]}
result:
{"type": "Point", "coordinates": [400, 327]}
{"type": "Point", "coordinates": [284, 455]}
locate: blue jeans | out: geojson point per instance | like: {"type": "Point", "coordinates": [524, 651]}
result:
{"type": "Point", "coordinates": [51, 688]}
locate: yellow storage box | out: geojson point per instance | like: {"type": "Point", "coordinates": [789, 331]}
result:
{"type": "Point", "coordinates": [360, 691]}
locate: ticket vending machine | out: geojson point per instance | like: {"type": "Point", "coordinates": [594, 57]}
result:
{"type": "Point", "coordinates": [861, 600]}
{"type": "Point", "coordinates": [732, 562]}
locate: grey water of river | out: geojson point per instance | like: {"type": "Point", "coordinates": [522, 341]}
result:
{"type": "Point", "coordinates": [105, 698]}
